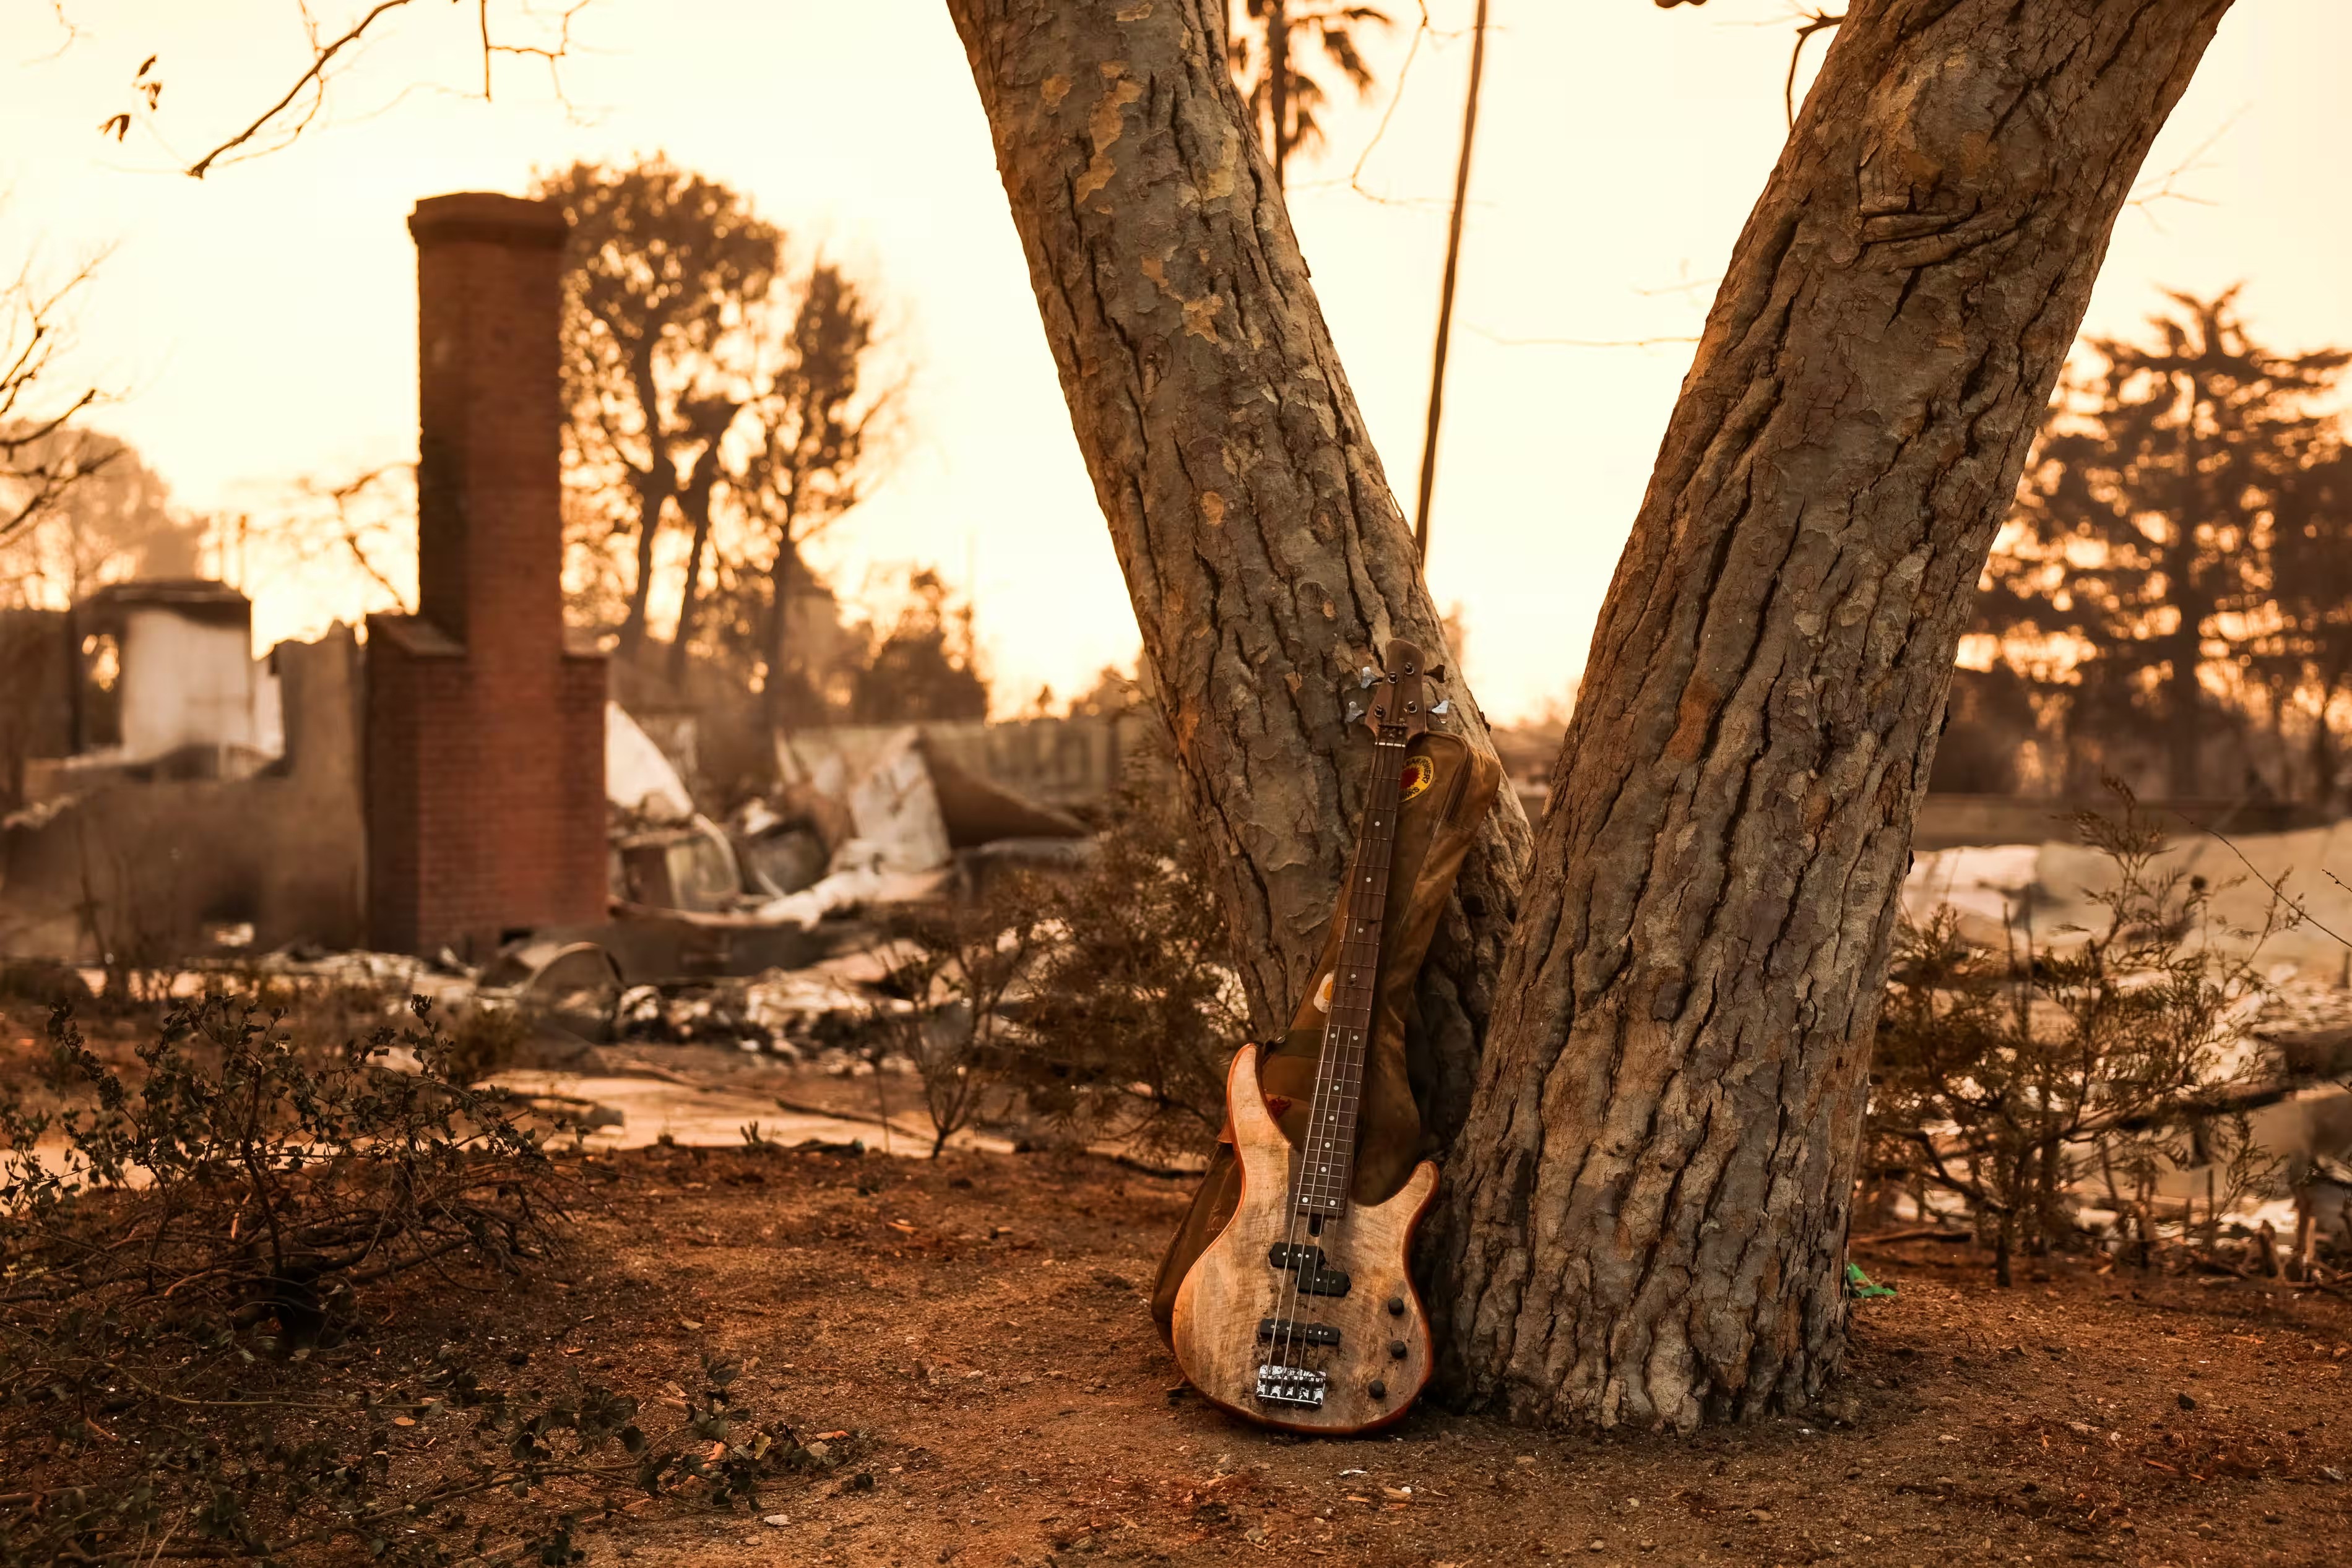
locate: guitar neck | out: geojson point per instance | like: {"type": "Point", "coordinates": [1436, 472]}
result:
{"type": "Point", "coordinates": [1327, 1157]}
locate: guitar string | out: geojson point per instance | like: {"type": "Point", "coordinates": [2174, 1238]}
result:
{"type": "Point", "coordinates": [1359, 956]}
{"type": "Point", "coordinates": [1346, 1089]}
{"type": "Point", "coordinates": [1373, 861]}
{"type": "Point", "coordinates": [1287, 1331]}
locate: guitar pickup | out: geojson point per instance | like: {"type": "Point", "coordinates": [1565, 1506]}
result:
{"type": "Point", "coordinates": [1307, 1263]}
{"type": "Point", "coordinates": [1291, 1331]}
{"type": "Point", "coordinates": [1291, 1385]}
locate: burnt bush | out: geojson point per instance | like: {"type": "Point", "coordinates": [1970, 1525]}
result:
{"type": "Point", "coordinates": [192, 1254]}
{"type": "Point", "coordinates": [1101, 1002]}
{"type": "Point", "coordinates": [1136, 1009]}
{"type": "Point", "coordinates": [965, 965]}
{"type": "Point", "coordinates": [2009, 1082]}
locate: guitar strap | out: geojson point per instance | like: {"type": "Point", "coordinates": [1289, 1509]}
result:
{"type": "Point", "coordinates": [1448, 788]}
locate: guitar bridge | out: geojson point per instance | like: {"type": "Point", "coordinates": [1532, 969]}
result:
{"type": "Point", "coordinates": [1291, 1385]}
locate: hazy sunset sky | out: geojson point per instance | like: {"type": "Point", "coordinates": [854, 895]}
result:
{"type": "Point", "coordinates": [259, 325]}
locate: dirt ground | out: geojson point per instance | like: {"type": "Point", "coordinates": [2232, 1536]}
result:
{"type": "Point", "coordinates": [968, 1339]}
{"type": "Point", "coordinates": [972, 1333]}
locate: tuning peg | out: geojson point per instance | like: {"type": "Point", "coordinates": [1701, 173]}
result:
{"type": "Point", "coordinates": [1436, 671]}
{"type": "Point", "coordinates": [1442, 707]}
{"type": "Point", "coordinates": [1355, 711]}
{"type": "Point", "coordinates": [1367, 676]}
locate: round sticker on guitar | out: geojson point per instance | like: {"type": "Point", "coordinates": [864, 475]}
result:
{"type": "Point", "coordinates": [1420, 773]}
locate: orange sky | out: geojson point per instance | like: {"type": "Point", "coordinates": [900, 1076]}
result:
{"type": "Point", "coordinates": [259, 325]}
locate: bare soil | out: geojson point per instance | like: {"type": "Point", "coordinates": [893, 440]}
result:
{"type": "Point", "coordinates": [976, 1327]}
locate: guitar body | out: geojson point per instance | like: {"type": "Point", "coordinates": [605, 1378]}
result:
{"type": "Point", "coordinates": [1237, 1288]}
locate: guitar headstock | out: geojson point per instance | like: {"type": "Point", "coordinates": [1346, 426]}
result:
{"type": "Point", "coordinates": [1395, 701]}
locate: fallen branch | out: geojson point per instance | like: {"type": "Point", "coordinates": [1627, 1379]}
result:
{"type": "Point", "coordinates": [1167, 1173]}
{"type": "Point", "coordinates": [1914, 1233]}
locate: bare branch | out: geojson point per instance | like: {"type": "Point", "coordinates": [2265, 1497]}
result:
{"type": "Point", "coordinates": [311, 85]}
{"type": "Point", "coordinates": [64, 24]}
{"type": "Point", "coordinates": [342, 498]}
{"type": "Point", "coordinates": [2277, 889]}
{"type": "Point", "coordinates": [1413, 52]}
{"type": "Point", "coordinates": [37, 463]}
{"type": "Point", "coordinates": [553, 54]}
{"type": "Point", "coordinates": [365, 521]}
{"type": "Point", "coordinates": [2165, 188]}
{"type": "Point", "coordinates": [1578, 342]}
{"type": "Point", "coordinates": [1815, 22]}
{"type": "Point", "coordinates": [315, 76]}
{"type": "Point", "coordinates": [1685, 287]}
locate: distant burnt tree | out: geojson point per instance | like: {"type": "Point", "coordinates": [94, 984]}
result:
{"type": "Point", "coordinates": [2307, 647]}
{"type": "Point", "coordinates": [924, 668]}
{"type": "Point", "coordinates": [1270, 42]}
{"type": "Point", "coordinates": [664, 267]}
{"type": "Point", "coordinates": [714, 394]}
{"type": "Point", "coordinates": [2172, 553]}
{"type": "Point", "coordinates": [42, 456]}
{"type": "Point", "coordinates": [821, 435]}
{"type": "Point", "coordinates": [112, 519]}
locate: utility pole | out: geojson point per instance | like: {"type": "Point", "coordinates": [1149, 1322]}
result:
{"type": "Point", "coordinates": [1446, 292]}
{"type": "Point", "coordinates": [1278, 81]}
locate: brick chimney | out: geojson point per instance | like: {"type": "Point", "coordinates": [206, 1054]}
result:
{"type": "Point", "coordinates": [485, 734]}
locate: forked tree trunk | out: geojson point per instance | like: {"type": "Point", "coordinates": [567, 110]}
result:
{"type": "Point", "coordinates": [1649, 1200]}
{"type": "Point", "coordinates": [1264, 552]}
{"type": "Point", "coordinates": [1648, 1210]}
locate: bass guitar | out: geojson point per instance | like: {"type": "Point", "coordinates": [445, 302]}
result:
{"type": "Point", "coordinates": [1299, 1314]}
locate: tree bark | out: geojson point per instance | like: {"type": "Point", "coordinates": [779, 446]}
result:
{"type": "Point", "coordinates": [1648, 1207]}
{"type": "Point", "coordinates": [1265, 554]}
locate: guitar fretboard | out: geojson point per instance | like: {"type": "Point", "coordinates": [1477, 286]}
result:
{"type": "Point", "coordinates": [1327, 1157]}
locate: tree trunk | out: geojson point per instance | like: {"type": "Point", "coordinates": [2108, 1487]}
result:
{"type": "Point", "coordinates": [2184, 691]}
{"type": "Point", "coordinates": [2184, 712]}
{"type": "Point", "coordinates": [2322, 754]}
{"type": "Point", "coordinates": [655, 484]}
{"type": "Point", "coordinates": [775, 619]}
{"type": "Point", "coordinates": [652, 490]}
{"type": "Point", "coordinates": [1265, 554]}
{"type": "Point", "coordinates": [1648, 1207]}
{"type": "Point", "coordinates": [2184, 773]}
{"type": "Point", "coordinates": [694, 500]}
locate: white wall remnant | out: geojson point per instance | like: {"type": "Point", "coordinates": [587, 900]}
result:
{"type": "Point", "coordinates": [638, 776]}
{"type": "Point", "coordinates": [183, 682]}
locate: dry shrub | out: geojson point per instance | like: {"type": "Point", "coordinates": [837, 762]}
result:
{"type": "Point", "coordinates": [181, 1259]}
{"type": "Point", "coordinates": [483, 1041]}
{"type": "Point", "coordinates": [957, 1027]}
{"type": "Point", "coordinates": [2003, 1080]}
{"type": "Point", "coordinates": [41, 983]}
{"type": "Point", "coordinates": [1133, 1013]}
{"type": "Point", "coordinates": [1105, 1000]}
